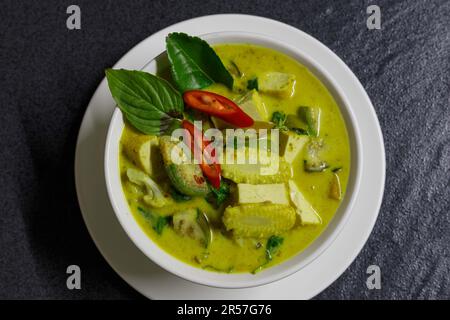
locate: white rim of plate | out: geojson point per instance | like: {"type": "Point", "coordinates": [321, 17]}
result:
{"type": "Point", "coordinates": [221, 24]}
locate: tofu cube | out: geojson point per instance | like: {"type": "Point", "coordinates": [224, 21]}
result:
{"type": "Point", "coordinates": [291, 144]}
{"type": "Point", "coordinates": [257, 193]}
{"type": "Point", "coordinates": [307, 214]}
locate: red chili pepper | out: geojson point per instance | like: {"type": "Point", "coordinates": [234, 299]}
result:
{"type": "Point", "coordinates": [208, 162]}
{"type": "Point", "coordinates": [218, 106]}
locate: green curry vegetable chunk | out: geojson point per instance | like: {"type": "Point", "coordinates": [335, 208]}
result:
{"type": "Point", "coordinates": [187, 178]}
{"type": "Point", "coordinates": [252, 221]}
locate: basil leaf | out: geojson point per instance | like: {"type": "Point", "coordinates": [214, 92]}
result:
{"type": "Point", "coordinates": [157, 222]}
{"type": "Point", "coordinates": [149, 103]}
{"type": "Point", "coordinates": [195, 65]}
{"type": "Point", "coordinates": [273, 244]}
{"type": "Point", "coordinates": [218, 196]}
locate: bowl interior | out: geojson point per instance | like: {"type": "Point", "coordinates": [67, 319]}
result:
{"type": "Point", "coordinates": [297, 262]}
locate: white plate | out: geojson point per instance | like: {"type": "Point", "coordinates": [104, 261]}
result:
{"type": "Point", "coordinates": [154, 282]}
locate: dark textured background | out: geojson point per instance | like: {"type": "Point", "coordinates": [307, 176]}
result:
{"type": "Point", "coordinates": [48, 74]}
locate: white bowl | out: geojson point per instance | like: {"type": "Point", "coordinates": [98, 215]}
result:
{"type": "Point", "coordinates": [240, 280]}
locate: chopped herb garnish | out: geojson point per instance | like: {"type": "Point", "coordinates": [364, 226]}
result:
{"type": "Point", "coordinates": [160, 224]}
{"type": "Point", "coordinates": [311, 116]}
{"type": "Point", "coordinates": [336, 170]}
{"type": "Point", "coordinates": [157, 222]}
{"type": "Point", "coordinates": [252, 84]}
{"type": "Point", "coordinates": [195, 65]}
{"type": "Point", "coordinates": [279, 119]}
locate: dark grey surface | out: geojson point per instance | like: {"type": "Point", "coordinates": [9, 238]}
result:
{"type": "Point", "coordinates": [48, 74]}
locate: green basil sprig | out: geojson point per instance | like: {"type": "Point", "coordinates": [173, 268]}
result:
{"type": "Point", "coordinates": [195, 65]}
{"type": "Point", "coordinates": [148, 102]}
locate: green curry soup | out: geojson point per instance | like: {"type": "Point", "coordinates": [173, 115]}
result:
{"type": "Point", "coordinates": [319, 171]}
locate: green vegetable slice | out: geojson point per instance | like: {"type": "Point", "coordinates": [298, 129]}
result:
{"type": "Point", "coordinates": [195, 65]}
{"type": "Point", "coordinates": [219, 196]}
{"type": "Point", "coordinates": [311, 115]}
{"type": "Point", "coordinates": [186, 177]}
{"type": "Point", "coordinates": [273, 245]}
{"type": "Point", "coordinates": [300, 131]}
{"type": "Point", "coordinates": [252, 84]}
{"type": "Point", "coordinates": [314, 161]}
{"type": "Point", "coordinates": [194, 224]}
{"type": "Point", "coordinates": [148, 102]}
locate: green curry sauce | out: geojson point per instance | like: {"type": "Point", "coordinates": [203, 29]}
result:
{"type": "Point", "coordinates": [226, 254]}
